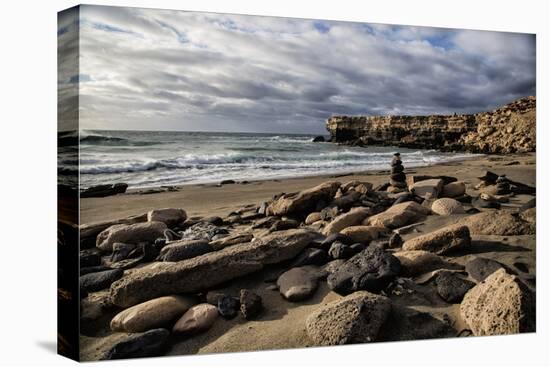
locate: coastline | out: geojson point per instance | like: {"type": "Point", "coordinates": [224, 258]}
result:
{"type": "Point", "coordinates": [220, 200]}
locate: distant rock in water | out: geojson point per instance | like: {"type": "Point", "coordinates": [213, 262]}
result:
{"type": "Point", "coordinates": [508, 129]}
{"type": "Point", "coordinates": [100, 191]}
{"type": "Point", "coordinates": [318, 139]}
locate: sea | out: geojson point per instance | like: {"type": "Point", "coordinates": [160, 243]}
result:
{"type": "Point", "coordinates": [145, 159]}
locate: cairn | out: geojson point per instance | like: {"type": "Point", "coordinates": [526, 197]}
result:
{"type": "Point", "coordinates": [397, 177]}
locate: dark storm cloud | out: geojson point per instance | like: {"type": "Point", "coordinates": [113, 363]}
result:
{"type": "Point", "coordinates": [163, 70]}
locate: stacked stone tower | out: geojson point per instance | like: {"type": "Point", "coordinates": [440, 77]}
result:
{"type": "Point", "coordinates": [398, 180]}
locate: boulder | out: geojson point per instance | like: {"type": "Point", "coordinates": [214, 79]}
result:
{"type": "Point", "coordinates": [428, 189]}
{"type": "Point", "coordinates": [152, 314]}
{"type": "Point", "coordinates": [398, 215]}
{"type": "Point", "coordinates": [182, 250]}
{"type": "Point", "coordinates": [498, 222]}
{"type": "Point", "coordinates": [130, 233]}
{"type": "Point", "coordinates": [419, 262]}
{"type": "Point", "coordinates": [197, 319]}
{"type": "Point", "coordinates": [447, 206]}
{"type": "Point", "coordinates": [363, 234]}
{"type": "Point", "coordinates": [210, 269]}
{"type": "Point", "coordinates": [93, 282]}
{"type": "Point", "coordinates": [452, 287]}
{"type": "Point", "coordinates": [297, 284]}
{"type": "Point", "coordinates": [372, 269]}
{"type": "Point", "coordinates": [480, 268]}
{"type": "Point", "coordinates": [312, 218]}
{"type": "Point", "coordinates": [251, 304]}
{"type": "Point", "coordinates": [354, 217]}
{"type": "Point", "coordinates": [168, 216]}
{"type": "Point", "coordinates": [304, 201]}
{"type": "Point", "coordinates": [441, 241]}
{"type": "Point", "coordinates": [454, 189]}
{"type": "Point", "coordinates": [356, 318]}
{"type": "Point", "coordinates": [501, 304]}
{"type": "Point", "coordinates": [148, 344]}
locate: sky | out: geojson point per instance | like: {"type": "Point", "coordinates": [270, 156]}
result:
{"type": "Point", "coordinates": [148, 69]}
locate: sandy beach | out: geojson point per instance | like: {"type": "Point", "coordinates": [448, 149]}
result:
{"type": "Point", "coordinates": [418, 311]}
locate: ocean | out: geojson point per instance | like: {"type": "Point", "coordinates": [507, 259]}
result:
{"type": "Point", "coordinates": [145, 159]}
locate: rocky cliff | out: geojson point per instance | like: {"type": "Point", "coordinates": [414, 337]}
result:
{"type": "Point", "coordinates": [508, 129]}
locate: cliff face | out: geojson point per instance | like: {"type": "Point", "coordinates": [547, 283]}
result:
{"type": "Point", "coordinates": [508, 129]}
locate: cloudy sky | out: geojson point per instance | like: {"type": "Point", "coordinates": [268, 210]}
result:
{"type": "Point", "coordinates": [174, 70]}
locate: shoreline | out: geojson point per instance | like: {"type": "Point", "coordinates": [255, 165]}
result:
{"type": "Point", "coordinates": [214, 199]}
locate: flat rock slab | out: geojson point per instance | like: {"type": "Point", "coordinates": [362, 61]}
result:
{"type": "Point", "coordinates": [480, 268]}
{"type": "Point", "coordinates": [398, 215]}
{"type": "Point", "coordinates": [441, 241]}
{"type": "Point", "coordinates": [427, 189]}
{"type": "Point", "coordinates": [303, 201]}
{"type": "Point", "coordinates": [501, 304]}
{"type": "Point", "coordinates": [130, 233]}
{"type": "Point", "coordinates": [356, 318]}
{"type": "Point", "coordinates": [208, 270]}
{"type": "Point", "coordinates": [152, 314]}
{"type": "Point", "coordinates": [372, 269]}
{"type": "Point", "coordinates": [168, 216]}
{"type": "Point", "coordinates": [354, 217]}
{"type": "Point", "coordinates": [148, 344]}
{"type": "Point", "coordinates": [185, 249]}
{"type": "Point", "coordinates": [297, 284]}
{"type": "Point", "coordinates": [499, 223]}
{"type": "Point", "coordinates": [417, 262]}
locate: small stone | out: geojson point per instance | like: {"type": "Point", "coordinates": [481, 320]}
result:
{"type": "Point", "coordinates": [251, 304]}
{"type": "Point", "coordinates": [297, 284]}
{"type": "Point", "coordinates": [447, 206]}
{"type": "Point", "coordinates": [184, 249]}
{"type": "Point", "coordinates": [338, 250]}
{"type": "Point", "coordinates": [452, 287]}
{"type": "Point", "coordinates": [228, 307]}
{"type": "Point", "coordinates": [336, 237]}
{"type": "Point", "coordinates": [148, 344]}
{"type": "Point", "coordinates": [395, 241]}
{"type": "Point", "coordinates": [363, 233]}
{"type": "Point", "coordinates": [441, 241]}
{"type": "Point", "coordinates": [197, 319]}
{"type": "Point", "coordinates": [312, 218]}
{"type": "Point", "coordinates": [311, 256]}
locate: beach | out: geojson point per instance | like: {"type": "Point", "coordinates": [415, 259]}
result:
{"type": "Point", "coordinates": [418, 310]}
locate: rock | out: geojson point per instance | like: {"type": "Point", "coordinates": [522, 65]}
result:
{"type": "Point", "coordinates": [480, 268]}
{"type": "Point", "coordinates": [94, 282]}
{"type": "Point", "coordinates": [412, 179]}
{"type": "Point", "coordinates": [297, 284]}
{"type": "Point", "coordinates": [454, 189]}
{"type": "Point", "coordinates": [318, 139]}
{"type": "Point", "coordinates": [500, 223]}
{"type": "Point", "coordinates": [395, 241]}
{"type": "Point", "coordinates": [251, 304]}
{"type": "Point", "coordinates": [101, 191]}
{"type": "Point", "coordinates": [354, 217]}
{"type": "Point", "coordinates": [428, 189]}
{"type": "Point", "coordinates": [329, 213]}
{"type": "Point", "coordinates": [281, 225]}
{"type": "Point", "coordinates": [310, 256]}
{"type": "Point", "coordinates": [363, 188]}
{"type": "Point", "coordinates": [371, 269]}
{"type": "Point", "coordinates": [227, 182]}
{"type": "Point", "coordinates": [452, 287]}
{"type": "Point", "coordinates": [312, 218]}
{"type": "Point", "coordinates": [148, 344]}
{"type": "Point", "coordinates": [130, 233]}
{"type": "Point", "coordinates": [182, 250]}
{"type": "Point", "coordinates": [169, 216]}
{"type": "Point", "coordinates": [345, 202]}
{"type": "Point", "coordinates": [197, 319]}
{"type": "Point", "coordinates": [203, 231]}
{"type": "Point", "coordinates": [417, 262]}
{"type": "Point", "coordinates": [398, 215]}
{"type": "Point", "coordinates": [528, 205]}
{"type": "Point", "coordinates": [447, 206]}
{"type": "Point", "coordinates": [211, 269]}
{"type": "Point", "coordinates": [228, 307]}
{"type": "Point", "coordinates": [501, 304]}
{"type": "Point", "coordinates": [90, 257]}
{"type": "Point", "coordinates": [94, 269]}
{"type": "Point", "coordinates": [363, 234]}
{"type": "Point", "coordinates": [231, 240]}
{"type": "Point", "coordinates": [489, 177]}
{"type": "Point", "coordinates": [357, 247]}
{"type": "Point", "coordinates": [304, 201]}
{"type": "Point", "coordinates": [121, 251]}
{"type": "Point", "coordinates": [338, 250]}
{"type": "Point", "coordinates": [356, 318]}
{"type": "Point", "coordinates": [327, 242]}
{"type": "Point", "coordinates": [215, 220]}
{"type": "Point", "coordinates": [441, 241]}
{"type": "Point", "coordinates": [529, 215]}
{"type": "Point", "coordinates": [158, 312]}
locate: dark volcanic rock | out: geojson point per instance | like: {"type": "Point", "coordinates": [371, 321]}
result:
{"type": "Point", "coordinates": [371, 270]}
{"type": "Point", "coordinates": [121, 251]}
{"type": "Point", "coordinates": [251, 304]}
{"type": "Point", "coordinates": [93, 269]}
{"type": "Point", "coordinates": [183, 250]}
{"type": "Point", "coordinates": [100, 191]}
{"type": "Point", "coordinates": [203, 231]}
{"type": "Point", "coordinates": [90, 257]}
{"type": "Point", "coordinates": [395, 241]}
{"type": "Point", "coordinates": [338, 250]}
{"type": "Point", "coordinates": [148, 344]}
{"type": "Point", "coordinates": [319, 139]}
{"type": "Point", "coordinates": [281, 225]}
{"type": "Point", "coordinates": [94, 282]}
{"type": "Point", "coordinates": [336, 237]}
{"type": "Point", "coordinates": [228, 307]}
{"type": "Point", "coordinates": [452, 287]}
{"type": "Point", "coordinates": [310, 256]}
